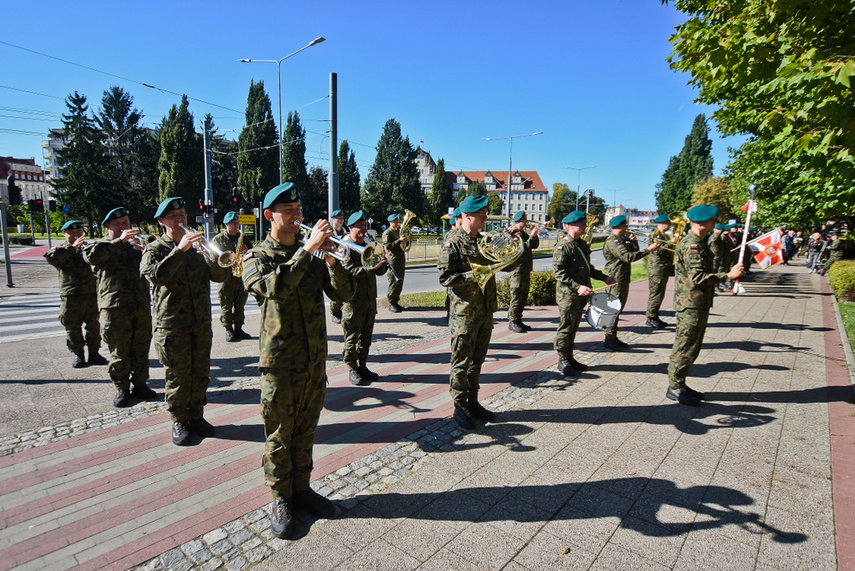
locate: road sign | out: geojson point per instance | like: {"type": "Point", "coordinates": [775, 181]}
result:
{"type": "Point", "coordinates": [246, 219]}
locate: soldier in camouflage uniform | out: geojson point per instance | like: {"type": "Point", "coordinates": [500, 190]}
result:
{"type": "Point", "coordinates": [660, 266]}
{"type": "Point", "coordinates": [359, 311]}
{"type": "Point", "coordinates": [472, 309]}
{"type": "Point", "coordinates": [79, 302]}
{"type": "Point", "coordinates": [340, 231]}
{"type": "Point", "coordinates": [289, 282]}
{"type": "Point", "coordinates": [181, 278]}
{"type": "Point", "coordinates": [125, 305]}
{"type": "Point", "coordinates": [693, 298]}
{"type": "Point", "coordinates": [620, 252]}
{"type": "Point", "coordinates": [455, 228]}
{"type": "Point", "coordinates": [836, 251]}
{"type": "Point", "coordinates": [231, 292]}
{"type": "Point", "coordinates": [519, 280]}
{"type": "Point", "coordinates": [571, 263]}
{"type": "Point", "coordinates": [397, 260]}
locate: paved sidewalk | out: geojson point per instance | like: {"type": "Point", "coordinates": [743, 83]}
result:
{"type": "Point", "coordinates": [599, 472]}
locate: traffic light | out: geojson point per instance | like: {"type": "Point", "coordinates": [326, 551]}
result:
{"type": "Point", "coordinates": [234, 198]}
{"type": "Point", "coordinates": [40, 205]}
{"type": "Point", "coordinates": [201, 206]}
{"type": "Point", "coordinates": [31, 204]}
{"type": "Point", "coordinates": [52, 205]}
{"type": "Point", "coordinates": [14, 191]}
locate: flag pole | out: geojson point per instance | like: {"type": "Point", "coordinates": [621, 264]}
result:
{"type": "Point", "coordinates": [751, 189]}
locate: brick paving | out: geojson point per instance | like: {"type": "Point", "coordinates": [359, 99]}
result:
{"type": "Point", "coordinates": [598, 472]}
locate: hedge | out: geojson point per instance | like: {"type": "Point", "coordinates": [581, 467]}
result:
{"type": "Point", "coordinates": [841, 278]}
{"type": "Point", "coordinates": [542, 290]}
{"type": "Point", "coordinates": [23, 239]}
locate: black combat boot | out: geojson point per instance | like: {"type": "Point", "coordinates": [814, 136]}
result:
{"type": "Point", "coordinates": [356, 379]}
{"type": "Point", "coordinates": [281, 520]}
{"type": "Point", "coordinates": [516, 327]}
{"type": "Point", "coordinates": [240, 333]}
{"type": "Point", "coordinates": [366, 373]}
{"type": "Point", "coordinates": [202, 427]}
{"type": "Point", "coordinates": [462, 418]}
{"type": "Point", "coordinates": [230, 336]}
{"type": "Point", "coordinates": [95, 357]}
{"type": "Point", "coordinates": [577, 365]}
{"type": "Point", "coordinates": [79, 361]}
{"type": "Point", "coordinates": [143, 392]}
{"type": "Point", "coordinates": [314, 503]}
{"type": "Point", "coordinates": [476, 410]}
{"type": "Point", "coordinates": [122, 398]}
{"type": "Point", "coordinates": [565, 368]}
{"type": "Point", "coordinates": [180, 433]}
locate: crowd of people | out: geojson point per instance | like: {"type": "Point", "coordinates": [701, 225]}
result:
{"type": "Point", "coordinates": [129, 290]}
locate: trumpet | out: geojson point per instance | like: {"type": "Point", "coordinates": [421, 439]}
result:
{"type": "Point", "coordinates": [211, 251]}
{"type": "Point", "coordinates": [541, 225]}
{"type": "Point", "coordinates": [409, 215]}
{"type": "Point", "coordinates": [664, 243]}
{"type": "Point", "coordinates": [370, 260]}
{"type": "Point", "coordinates": [142, 240]}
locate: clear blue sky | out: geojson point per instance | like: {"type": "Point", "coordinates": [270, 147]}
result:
{"type": "Point", "coordinates": [592, 76]}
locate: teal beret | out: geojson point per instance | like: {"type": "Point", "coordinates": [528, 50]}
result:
{"type": "Point", "coordinates": [456, 213]}
{"type": "Point", "coordinates": [285, 192]}
{"type": "Point", "coordinates": [229, 217]}
{"type": "Point", "coordinates": [730, 226]}
{"type": "Point", "coordinates": [72, 225]}
{"type": "Point", "coordinates": [472, 204]}
{"type": "Point", "coordinates": [719, 226]}
{"type": "Point", "coordinates": [355, 217]}
{"type": "Point", "coordinates": [336, 213]}
{"type": "Point", "coordinates": [661, 219]}
{"type": "Point", "coordinates": [173, 203]}
{"type": "Point", "coordinates": [518, 216]}
{"type": "Point", "coordinates": [702, 212]}
{"type": "Point", "coordinates": [392, 217]}
{"type": "Point", "coordinates": [115, 214]}
{"type": "Point", "coordinates": [574, 216]}
{"type": "Point", "coordinates": [617, 221]}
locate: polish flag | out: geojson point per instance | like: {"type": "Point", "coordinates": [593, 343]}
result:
{"type": "Point", "coordinates": [750, 204]}
{"type": "Point", "coordinates": [767, 249]}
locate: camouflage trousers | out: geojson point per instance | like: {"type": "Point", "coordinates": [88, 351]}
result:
{"type": "Point", "coordinates": [519, 283]}
{"type": "Point", "coordinates": [470, 339]}
{"type": "Point", "coordinates": [335, 308]}
{"type": "Point", "coordinates": [395, 287]}
{"type": "Point", "coordinates": [570, 309]}
{"type": "Point", "coordinates": [74, 312]}
{"type": "Point", "coordinates": [232, 296]}
{"type": "Point", "coordinates": [357, 322]}
{"type": "Point", "coordinates": [291, 403]}
{"type": "Point", "coordinates": [128, 336]}
{"type": "Point", "coordinates": [691, 326]}
{"type": "Point", "coordinates": [621, 290]}
{"type": "Point", "coordinates": [657, 285]}
{"type": "Point", "coordinates": [186, 357]}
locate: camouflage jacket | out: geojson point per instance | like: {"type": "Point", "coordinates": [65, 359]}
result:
{"type": "Point", "coordinates": [716, 243]}
{"type": "Point", "coordinates": [526, 261]}
{"type": "Point", "coordinates": [455, 272]}
{"type": "Point", "coordinates": [289, 285]}
{"type": "Point", "coordinates": [571, 263]}
{"type": "Point", "coordinates": [620, 252]}
{"type": "Point", "coordinates": [117, 267]}
{"type": "Point", "coordinates": [75, 275]}
{"type": "Point", "coordinates": [365, 281]}
{"type": "Point", "coordinates": [392, 243]}
{"type": "Point", "coordinates": [836, 250]}
{"type": "Point", "coordinates": [225, 242]}
{"type": "Point", "coordinates": [181, 280]}
{"type": "Point", "coordinates": [661, 262]}
{"type": "Point", "coordinates": [695, 280]}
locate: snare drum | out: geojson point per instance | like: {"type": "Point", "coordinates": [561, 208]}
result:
{"type": "Point", "coordinates": [603, 311]}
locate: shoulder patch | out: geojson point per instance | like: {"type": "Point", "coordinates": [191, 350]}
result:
{"type": "Point", "coordinates": [617, 241]}
{"type": "Point", "coordinates": [559, 247]}
{"type": "Point", "coordinates": [693, 246]}
{"type": "Point", "coordinates": [247, 256]}
{"type": "Point", "coordinates": [447, 245]}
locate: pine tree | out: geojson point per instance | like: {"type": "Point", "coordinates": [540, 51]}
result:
{"type": "Point", "coordinates": [84, 181]}
{"type": "Point", "coordinates": [319, 189]}
{"type": "Point", "coordinates": [392, 184]}
{"type": "Point", "coordinates": [223, 171]}
{"type": "Point", "coordinates": [441, 195]}
{"type": "Point", "coordinates": [258, 152]}
{"type": "Point", "coordinates": [694, 164]}
{"type": "Point", "coordinates": [348, 179]}
{"type": "Point", "coordinates": [294, 166]}
{"type": "Point", "coordinates": [181, 157]}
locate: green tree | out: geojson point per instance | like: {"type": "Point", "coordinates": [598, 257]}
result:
{"type": "Point", "coordinates": [781, 72]}
{"type": "Point", "coordinates": [495, 203]}
{"type": "Point", "coordinates": [319, 189]}
{"type": "Point", "coordinates": [120, 122]}
{"type": "Point", "coordinates": [716, 191]}
{"type": "Point", "coordinates": [258, 148]}
{"type": "Point", "coordinates": [441, 195]}
{"type": "Point", "coordinates": [348, 179]}
{"type": "Point", "coordinates": [693, 164]}
{"type": "Point", "coordinates": [393, 183]}
{"type": "Point", "coordinates": [294, 166]}
{"type": "Point", "coordinates": [84, 182]}
{"type": "Point", "coordinates": [563, 202]}
{"type": "Point", "coordinates": [223, 172]}
{"type": "Point", "coordinates": [180, 166]}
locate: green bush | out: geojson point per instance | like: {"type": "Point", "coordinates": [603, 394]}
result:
{"type": "Point", "coordinates": [841, 277]}
{"type": "Point", "coordinates": [542, 290]}
{"type": "Point", "coordinates": [23, 239]}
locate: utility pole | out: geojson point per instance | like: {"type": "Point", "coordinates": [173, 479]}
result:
{"type": "Point", "coordinates": [333, 182]}
{"type": "Point", "coordinates": [209, 193]}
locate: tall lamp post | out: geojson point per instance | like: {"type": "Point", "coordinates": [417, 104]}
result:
{"type": "Point", "coordinates": [579, 180]}
{"type": "Point", "coordinates": [510, 164]}
{"type": "Point", "coordinates": [279, 72]}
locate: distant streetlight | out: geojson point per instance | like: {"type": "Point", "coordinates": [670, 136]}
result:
{"type": "Point", "coordinates": [510, 164]}
{"type": "Point", "coordinates": [279, 71]}
{"type": "Point", "coordinates": [579, 180]}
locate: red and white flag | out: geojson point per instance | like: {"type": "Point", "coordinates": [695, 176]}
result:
{"type": "Point", "coordinates": [767, 249]}
{"type": "Point", "coordinates": [749, 205]}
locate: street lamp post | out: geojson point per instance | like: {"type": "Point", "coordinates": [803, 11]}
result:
{"type": "Point", "coordinates": [279, 72]}
{"type": "Point", "coordinates": [510, 164]}
{"type": "Point", "coordinates": [579, 180]}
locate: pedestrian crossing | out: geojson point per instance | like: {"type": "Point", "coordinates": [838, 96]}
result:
{"type": "Point", "coordinates": [34, 317]}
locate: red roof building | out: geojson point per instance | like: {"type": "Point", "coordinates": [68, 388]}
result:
{"type": "Point", "coordinates": [528, 193]}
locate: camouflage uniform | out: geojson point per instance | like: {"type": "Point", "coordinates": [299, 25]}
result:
{"type": "Point", "coordinates": [448, 236]}
{"type": "Point", "coordinates": [836, 252]}
{"type": "Point", "coordinates": [335, 306]}
{"type": "Point", "coordinates": [289, 284]}
{"type": "Point", "coordinates": [357, 316]}
{"type": "Point", "coordinates": [182, 325]}
{"type": "Point", "coordinates": [78, 300]}
{"type": "Point", "coordinates": [620, 252]}
{"type": "Point", "coordinates": [694, 289]}
{"type": "Point", "coordinates": [519, 280]}
{"type": "Point", "coordinates": [397, 259]}
{"type": "Point", "coordinates": [571, 263]}
{"type": "Point", "coordinates": [125, 304]}
{"type": "Point", "coordinates": [231, 292]}
{"type": "Point", "coordinates": [660, 266]}
{"type": "Point", "coordinates": [471, 320]}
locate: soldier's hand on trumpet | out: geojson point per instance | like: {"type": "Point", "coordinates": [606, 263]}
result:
{"type": "Point", "coordinates": [190, 239]}
{"type": "Point", "coordinates": [653, 247]}
{"type": "Point", "coordinates": [129, 233]}
{"type": "Point", "coordinates": [319, 239]}
{"type": "Point", "coordinates": [81, 241]}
